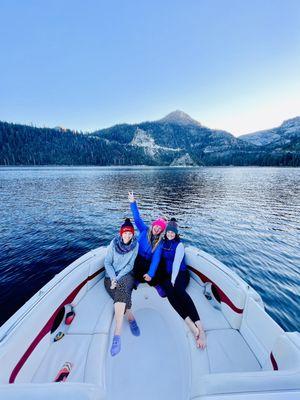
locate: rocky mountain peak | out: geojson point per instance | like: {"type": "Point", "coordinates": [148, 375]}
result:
{"type": "Point", "coordinates": [179, 117]}
{"type": "Point", "coordinates": [291, 123]}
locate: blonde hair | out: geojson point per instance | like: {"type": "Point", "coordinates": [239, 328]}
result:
{"type": "Point", "coordinates": [156, 242]}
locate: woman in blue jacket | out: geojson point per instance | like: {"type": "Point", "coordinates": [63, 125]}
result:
{"type": "Point", "coordinates": [175, 278]}
{"type": "Point", "coordinates": [150, 246]}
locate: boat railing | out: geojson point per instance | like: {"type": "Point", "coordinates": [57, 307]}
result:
{"type": "Point", "coordinates": [41, 294]}
{"type": "Point", "coordinates": [219, 265]}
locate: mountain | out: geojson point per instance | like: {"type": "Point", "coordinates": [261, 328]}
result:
{"type": "Point", "coordinates": [176, 140]}
{"type": "Point", "coordinates": [168, 139]}
{"type": "Point", "coordinates": [282, 135]}
{"type": "Point", "coordinates": [180, 118]}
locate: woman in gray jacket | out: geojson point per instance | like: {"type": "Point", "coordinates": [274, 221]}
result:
{"type": "Point", "coordinates": [119, 280]}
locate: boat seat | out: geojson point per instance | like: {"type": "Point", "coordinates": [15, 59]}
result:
{"type": "Point", "coordinates": [71, 348]}
{"type": "Point", "coordinates": [100, 310]}
{"type": "Point", "coordinates": [87, 353]}
{"type": "Point", "coordinates": [286, 352]}
{"type": "Point", "coordinates": [155, 364]}
{"type": "Point", "coordinates": [247, 382]}
{"type": "Point", "coordinates": [228, 352]}
{"type": "Point", "coordinates": [199, 364]}
{"type": "Point", "coordinates": [231, 365]}
{"type": "Point", "coordinates": [96, 358]}
{"type": "Point", "coordinates": [85, 342]}
{"type": "Point", "coordinates": [50, 391]}
{"type": "Point", "coordinates": [93, 312]}
{"type": "Point", "coordinates": [211, 317]}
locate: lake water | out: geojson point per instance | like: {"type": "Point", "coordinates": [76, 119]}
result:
{"type": "Point", "coordinates": [249, 218]}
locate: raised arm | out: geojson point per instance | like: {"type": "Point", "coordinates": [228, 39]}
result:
{"type": "Point", "coordinates": [140, 224]}
{"type": "Point", "coordinates": [179, 254]}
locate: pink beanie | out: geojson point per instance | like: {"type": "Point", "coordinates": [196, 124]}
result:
{"type": "Point", "coordinates": [160, 222]}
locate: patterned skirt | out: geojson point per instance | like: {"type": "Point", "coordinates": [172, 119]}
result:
{"type": "Point", "coordinates": [122, 293]}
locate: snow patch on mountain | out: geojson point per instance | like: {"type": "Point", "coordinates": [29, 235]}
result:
{"type": "Point", "coordinates": [144, 139]}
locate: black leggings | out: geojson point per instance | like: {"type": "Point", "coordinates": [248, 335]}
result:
{"type": "Point", "coordinates": [178, 297]}
{"type": "Point", "coordinates": [141, 267]}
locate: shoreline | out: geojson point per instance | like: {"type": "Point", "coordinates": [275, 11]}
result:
{"type": "Point", "coordinates": [145, 166]}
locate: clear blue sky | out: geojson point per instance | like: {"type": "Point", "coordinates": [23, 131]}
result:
{"type": "Point", "coordinates": [231, 64]}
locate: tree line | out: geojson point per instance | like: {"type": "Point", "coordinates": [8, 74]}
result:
{"type": "Point", "coordinates": [28, 145]}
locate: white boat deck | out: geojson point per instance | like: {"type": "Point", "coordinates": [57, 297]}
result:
{"type": "Point", "coordinates": [162, 363]}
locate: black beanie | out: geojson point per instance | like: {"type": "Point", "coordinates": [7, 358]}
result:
{"type": "Point", "coordinates": [172, 226]}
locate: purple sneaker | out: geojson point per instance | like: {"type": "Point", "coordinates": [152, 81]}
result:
{"type": "Point", "coordinates": [135, 330]}
{"type": "Point", "coordinates": [160, 291]}
{"type": "Point", "coordinates": [116, 345]}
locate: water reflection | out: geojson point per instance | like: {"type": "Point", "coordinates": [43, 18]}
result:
{"type": "Point", "coordinates": [248, 218]}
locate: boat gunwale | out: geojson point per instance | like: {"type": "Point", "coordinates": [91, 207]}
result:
{"type": "Point", "coordinates": [41, 294]}
{"type": "Point", "coordinates": [9, 326]}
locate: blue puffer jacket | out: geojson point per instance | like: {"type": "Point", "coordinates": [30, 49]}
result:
{"type": "Point", "coordinates": [145, 248]}
{"type": "Point", "coordinates": [168, 255]}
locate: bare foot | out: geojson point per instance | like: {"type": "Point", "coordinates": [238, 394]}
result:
{"type": "Point", "coordinates": [200, 339]}
{"type": "Point", "coordinates": [199, 336]}
{"type": "Point", "coordinates": [198, 332]}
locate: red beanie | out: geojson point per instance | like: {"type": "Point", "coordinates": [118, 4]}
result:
{"type": "Point", "coordinates": [127, 227]}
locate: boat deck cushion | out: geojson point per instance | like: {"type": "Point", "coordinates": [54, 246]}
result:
{"type": "Point", "coordinates": [89, 310]}
{"type": "Point", "coordinates": [155, 363]}
{"type": "Point", "coordinates": [199, 363]}
{"type": "Point", "coordinates": [247, 382]}
{"type": "Point", "coordinates": [210, 316]}
{"type": "Point", "coordinates": [228, 352]}
{"type": "Point", "coordinates": [95, 371]}
{"type": "Point", "coordinates": [87, 353]}
{"type": "Point", "coordinates": [50, 391]}
{"type": "Point", "coordinates": [71, 348]}
{"type": "Point", "coordinates": [260, 331]}
{"type": "Point", "coordinates": [286, 352]}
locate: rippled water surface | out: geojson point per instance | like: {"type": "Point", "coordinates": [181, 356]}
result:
{"type": "Point", "coordinates": [249, 218]}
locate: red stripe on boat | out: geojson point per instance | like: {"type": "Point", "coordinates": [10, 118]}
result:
{"type": "Point", "coordinates": [223, 297]}
{"type": "Point", "coordinates": [274, 363]}
{"type": "Point", "coordinates": [47, 327]}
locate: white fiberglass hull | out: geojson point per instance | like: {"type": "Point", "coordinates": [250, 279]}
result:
{"type": "Point", "coordinates": [247, 353]}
